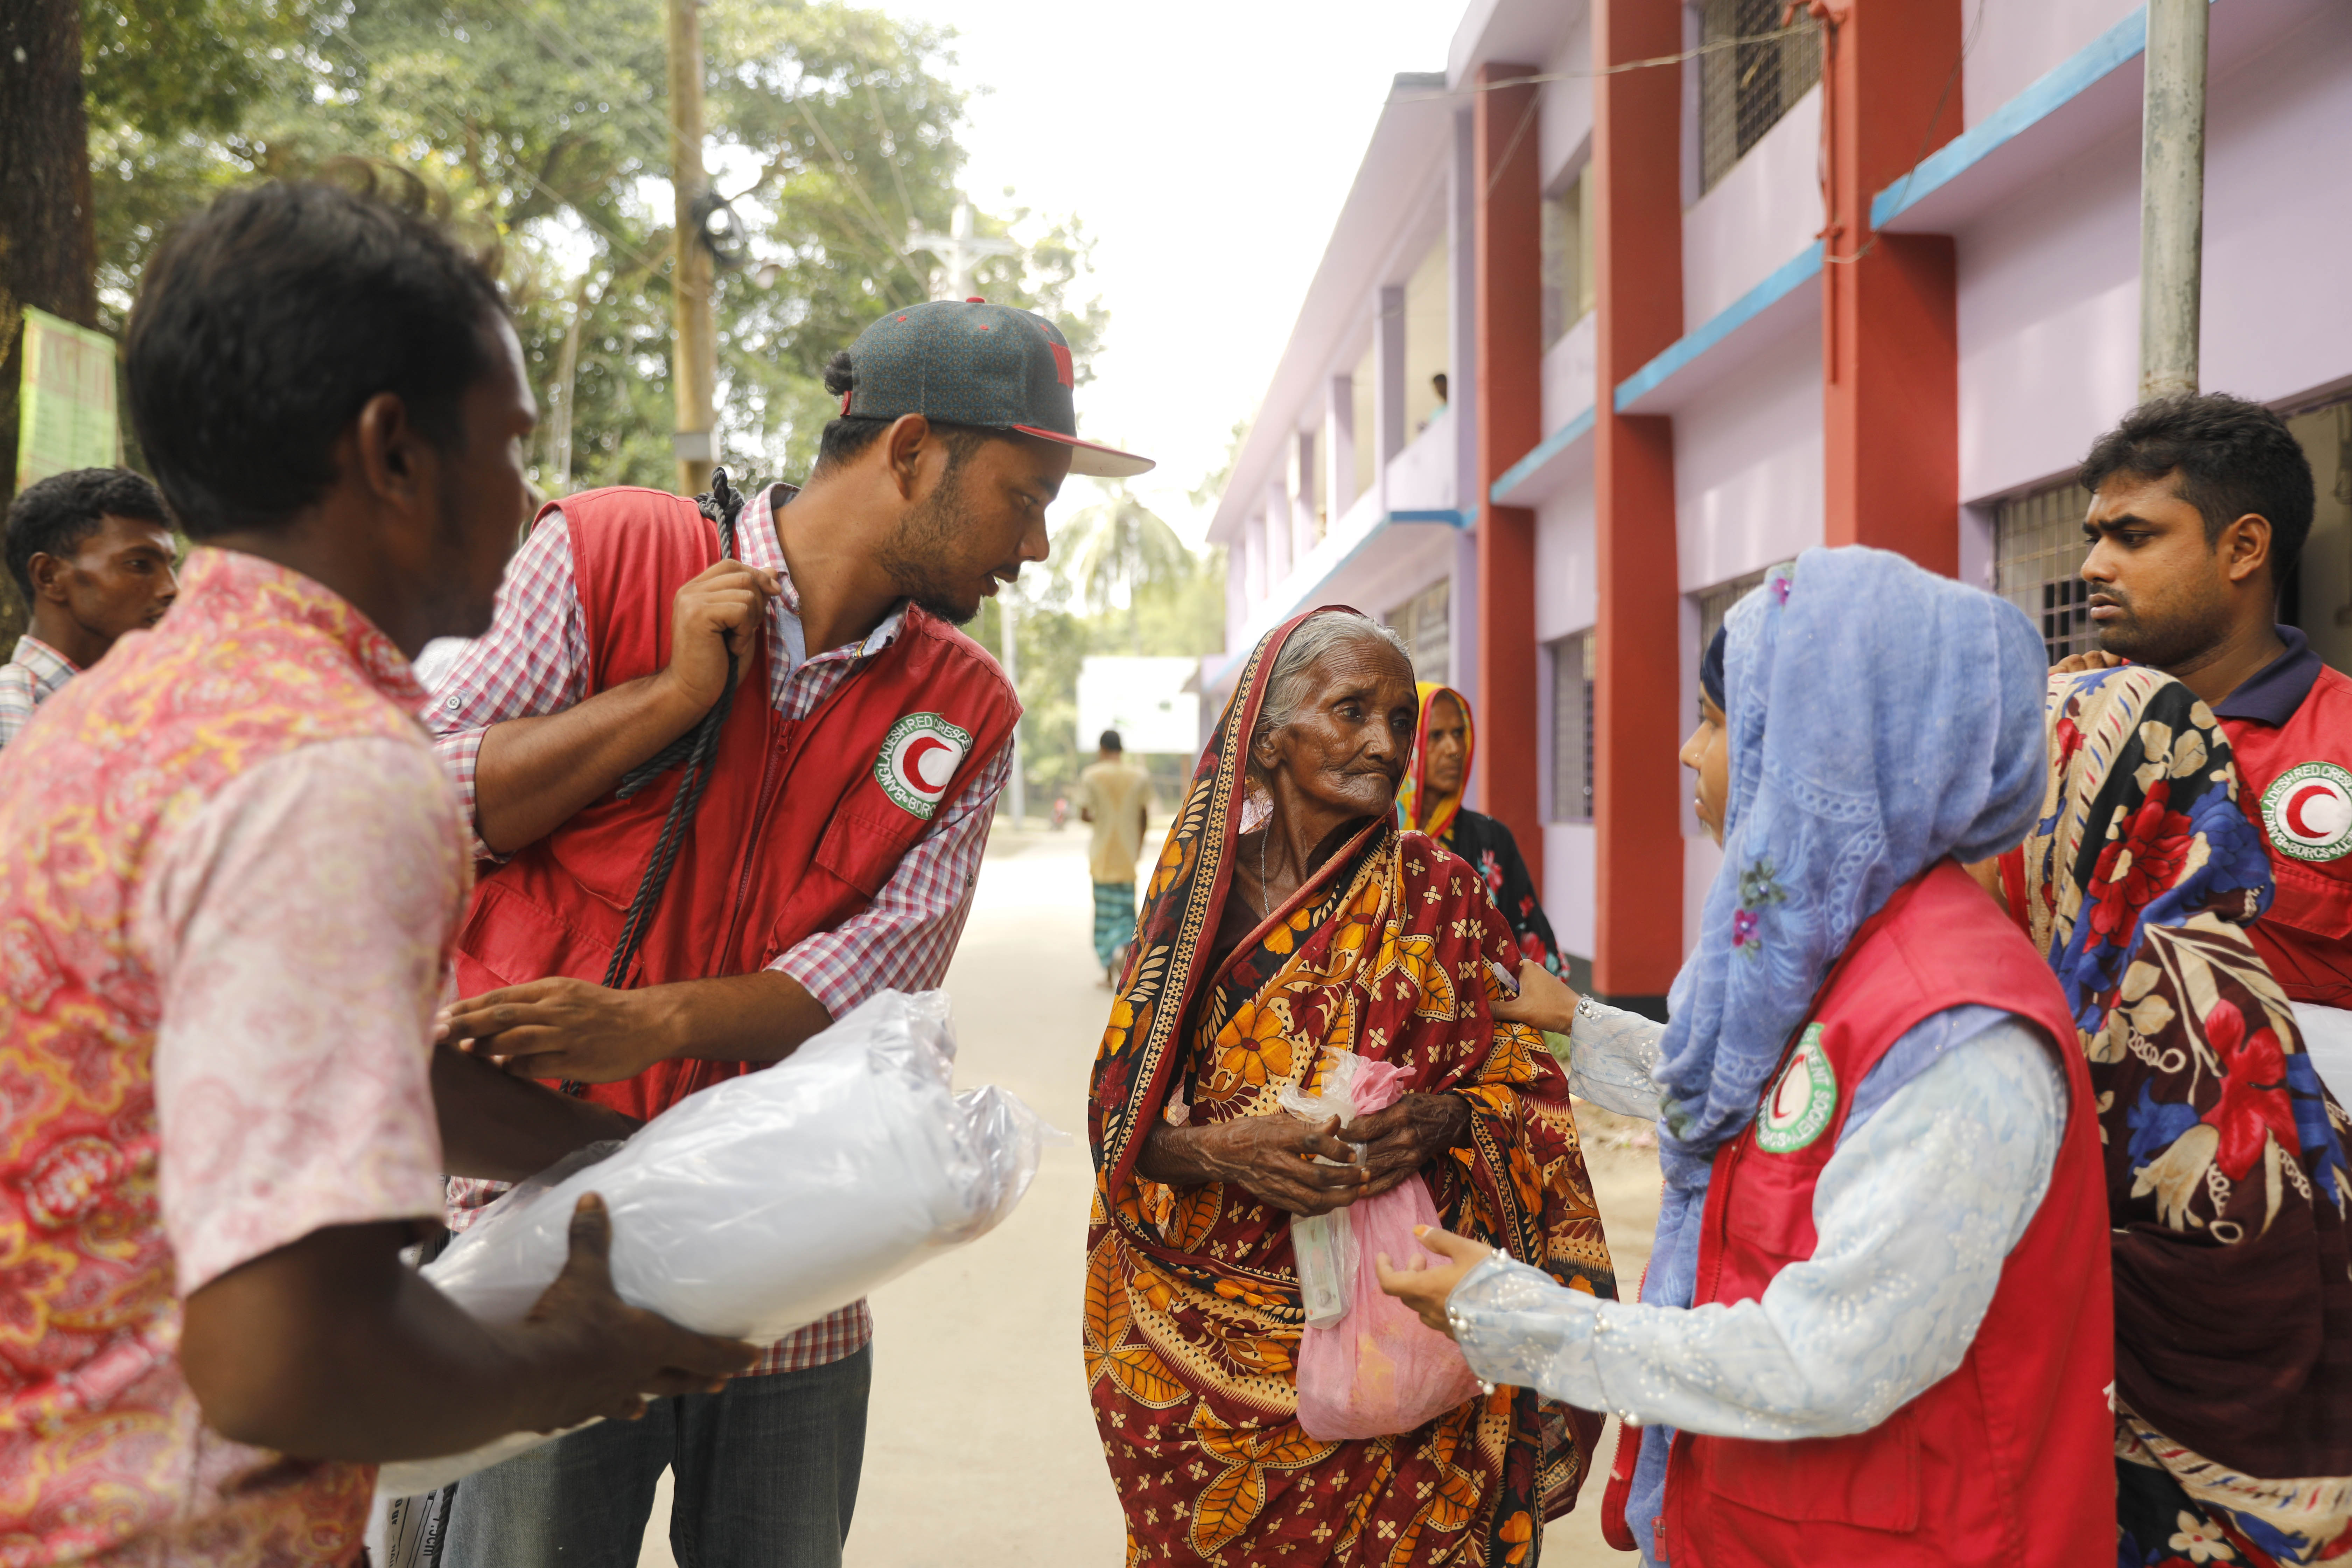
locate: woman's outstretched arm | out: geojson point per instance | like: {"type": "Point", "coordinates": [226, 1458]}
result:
{"type": "Point", "coordinates": [1916, 1211]}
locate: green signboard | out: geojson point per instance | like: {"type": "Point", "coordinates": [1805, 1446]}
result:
{"type": "Point", "coordinates": [67, 411]}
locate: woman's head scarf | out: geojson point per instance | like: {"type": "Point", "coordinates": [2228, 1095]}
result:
{"type": "Point", "coordinates": [1183, 901]}
{"type": "Point", "coordinates": [1416, 806]}
{"type": "Point", "coordinates": [1881, 718]}
{"type": "Point", "coordinates": [2225, 1160]}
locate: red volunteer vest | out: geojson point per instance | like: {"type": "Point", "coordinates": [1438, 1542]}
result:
{"type": "Point", "coordinates": [2295, 783]}
{"type": "Point", "coordinates": [803, 821]}
{"type": "Point", "coordinates": [2010, 1460]}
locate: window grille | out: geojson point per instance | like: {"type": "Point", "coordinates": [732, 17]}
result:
{"type": "Point", "coordinates": [1424, 624]}
{"type": "Point", "coordinates": [2038, 550]}
{"type": "Point", "coordinates": [1572, 729]}
{"type": "Point", "coordinates": [1744, 89]}
{"type": "Point", "coordinates": [1567, 259]}
{"type": "Point", "coordinates": [1715, 606]}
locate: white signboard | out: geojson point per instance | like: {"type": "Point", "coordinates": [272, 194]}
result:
{"type": "Point", "coordinates": [1144, 699]}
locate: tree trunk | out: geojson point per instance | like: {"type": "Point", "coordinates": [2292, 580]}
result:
{"type": "Point", "coordinates": [49, 238]}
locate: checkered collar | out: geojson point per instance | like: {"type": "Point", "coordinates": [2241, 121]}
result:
{"type": "Point", "coordinates": [50, 668]}
{"type": "Point", "coordinates": [757, 545]}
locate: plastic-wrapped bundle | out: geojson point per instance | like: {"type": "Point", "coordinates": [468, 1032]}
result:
{"type": "Point", "coordinates": [761, 1204]}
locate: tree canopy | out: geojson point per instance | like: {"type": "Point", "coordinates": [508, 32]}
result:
{"type": "Point", "coordinates": [831, 132]}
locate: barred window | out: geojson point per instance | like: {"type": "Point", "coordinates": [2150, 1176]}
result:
{"type": "Point", "coordinates": [1715, 606]}
{"type": "Point", "coordinates": [1744, 89]}
{"type": "Point", "coordinates": [2038, 550]}
{"type": "Point", "coordinates": [1424, 624]}
{"type": "Point", "coordinates": [1572, 729]}
{"type": "Point", "coordinates": [1567, 259]}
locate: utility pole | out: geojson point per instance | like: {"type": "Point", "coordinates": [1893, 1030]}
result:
{"type": "Point", "coordinates": [694, 355]}
{"type": "Point", "coordinates": [958, 249]}
{"type": "Point", "coordinates": [1008, 618]}
{"type": "Point", "coordinates": [567, 378]}
{"type": "Point", "coordinates": [2172, 197]}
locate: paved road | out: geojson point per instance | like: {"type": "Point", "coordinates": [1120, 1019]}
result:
{"type": "Point", "coordinates": [982, 1450]}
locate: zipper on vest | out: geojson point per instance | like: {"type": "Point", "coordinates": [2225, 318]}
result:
{"type": "Point", "coordinates": [752, 840]}
{"type": "Point", "coordinates": [790, 752]}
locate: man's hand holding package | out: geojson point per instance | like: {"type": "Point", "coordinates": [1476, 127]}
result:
{"type": "Point", "coordinates": [560, 1028]}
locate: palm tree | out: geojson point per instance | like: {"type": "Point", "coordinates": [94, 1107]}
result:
{"type": "Point", "coordinates": [1120, 543]}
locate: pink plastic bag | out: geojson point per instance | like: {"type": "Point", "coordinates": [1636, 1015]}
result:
{"type": "Point", "coordinates": [1380, 1371]}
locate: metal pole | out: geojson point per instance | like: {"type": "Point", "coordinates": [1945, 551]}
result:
{"type": "Point", "coordinates": [1009, 618]}
{"type": "Point", "coordinates": [567, 377]}
{"type": "Point", "coordinates": [695, 350]}
{"type": "Point", "coordinates": [2172, 196]}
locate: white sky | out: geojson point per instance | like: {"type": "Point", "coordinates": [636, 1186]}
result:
{"type": "Point", "coordinates": [1206, 148]}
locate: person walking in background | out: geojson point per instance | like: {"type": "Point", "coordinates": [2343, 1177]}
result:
{"type": "Point", "coordinates": [1115, 797]}
{"type": "Point", "coordinates": [91, 553]}
{"type": "Point", "coordinates": [1876, 1330]}
{"type": "Point", "coordinates": [833, 855]}
{"type": "Point", "coordinates": [1430, 801]}
{"type": "Point", "coordinates": [2199, 507]}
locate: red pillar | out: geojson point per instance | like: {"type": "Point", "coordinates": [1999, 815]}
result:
{"type": "Point", "coordinates": [1638, 718]}
{"type": "Point", "coordinates": [1507, 350]}
{"type": "Point", "coordinates": [1890, 350]}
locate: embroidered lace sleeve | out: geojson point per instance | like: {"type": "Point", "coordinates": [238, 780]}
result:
{"type": "Point", "coordinates": [1915, 1212]}
{"type": "Point", "coordinates": [1611, 1055]}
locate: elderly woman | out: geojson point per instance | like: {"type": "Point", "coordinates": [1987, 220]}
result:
{"type": "Point", "coordinates": [1322, 925]}
{"type": "Point", "coordinates": [1875, 1330]}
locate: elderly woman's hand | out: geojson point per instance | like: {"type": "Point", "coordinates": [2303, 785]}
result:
{"type": "Point", "coordinates": [1408, 1135]}
{"type": "Point", "coordinates": [1273, 1158]}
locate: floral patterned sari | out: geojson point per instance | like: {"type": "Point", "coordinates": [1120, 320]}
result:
{"type": "Point", "coordinates": [2226, 1173]}
{"type": "Point", "coordinates": [1193, 1314]}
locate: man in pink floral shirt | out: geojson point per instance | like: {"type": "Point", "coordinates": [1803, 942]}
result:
{"type": "Point", "coordinates": [229, 872]}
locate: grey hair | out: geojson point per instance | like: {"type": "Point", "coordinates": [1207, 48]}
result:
{"type": "Point", "coordinates": [1286, 687]}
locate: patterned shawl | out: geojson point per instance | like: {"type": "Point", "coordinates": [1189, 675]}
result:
{"type": "Point", "coordinates": [1192, 1317]}
{"type": "Point", "coordinates": [2226, 1173]}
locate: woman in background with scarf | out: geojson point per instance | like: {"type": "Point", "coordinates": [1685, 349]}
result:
{"type": "Point", "coordinates": [2225, 1168]}
{"type": "Point", "coordinates": [1876, 1328]}
{"type": "Point", "coordinates": [1431, 800]}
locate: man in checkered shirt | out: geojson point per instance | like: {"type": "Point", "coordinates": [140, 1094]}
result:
{"type": "Point", "coordinates": [886, 740]}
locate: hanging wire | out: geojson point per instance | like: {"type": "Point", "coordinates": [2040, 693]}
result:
{"type": "Point", "coordinates": [1650, 63]}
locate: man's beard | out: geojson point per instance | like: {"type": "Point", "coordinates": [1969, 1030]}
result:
{"type": "Point", "coordinates": [916, 554]}
{"type": "Point", "coordinates": [2167, 644]}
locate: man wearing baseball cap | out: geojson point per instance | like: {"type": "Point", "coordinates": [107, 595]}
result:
{"type": "Point", "coordinates": [832, 853]}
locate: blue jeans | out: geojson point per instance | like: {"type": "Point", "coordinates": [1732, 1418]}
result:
{"type": "Point", "coordinates": [766, 1477]}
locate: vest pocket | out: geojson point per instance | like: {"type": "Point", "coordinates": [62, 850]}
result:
{"type": "Point", "coordinates": [864, 851]}
{"type": "Point", "coordinates": [1870, 1479]}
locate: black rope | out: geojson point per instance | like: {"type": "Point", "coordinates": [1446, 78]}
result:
{"type": "Point", "coordinates": [694, 751]}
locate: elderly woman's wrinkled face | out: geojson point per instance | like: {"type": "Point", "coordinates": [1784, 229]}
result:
{"type": "Point", "coordinates": [1348, 747]}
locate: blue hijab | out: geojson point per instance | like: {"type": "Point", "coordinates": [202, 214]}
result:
{"type": "Point", "coordinates": [1881, 718]}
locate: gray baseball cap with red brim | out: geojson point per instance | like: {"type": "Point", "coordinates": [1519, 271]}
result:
{"type": "Point", "coordinates": [971, 362]}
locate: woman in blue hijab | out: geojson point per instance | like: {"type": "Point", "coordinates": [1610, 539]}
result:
{"type": "Point", "coordinates": [1876, 1328]}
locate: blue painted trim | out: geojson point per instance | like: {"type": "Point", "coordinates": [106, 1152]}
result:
{"type": "Point", "coordinates": [1545, 450]}
{"type": "Point", "coordinates": [1452, 517]}
{"type": "Point", "coordinates": [2055, 89]}
{"type": "Point", "coordinates": [1790, 275]}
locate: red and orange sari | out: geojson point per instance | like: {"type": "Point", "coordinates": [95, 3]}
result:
{"type": "Point", "coordinates": [1193, 1314]}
